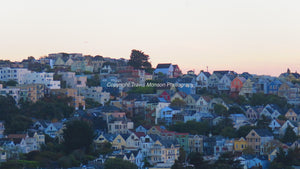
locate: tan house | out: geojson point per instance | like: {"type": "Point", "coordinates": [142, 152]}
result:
{"type": "Point", "coordinates": [119, 143]}
{"type": "Point", "coordinates": [291, 115]}
{"type": "Point", "coordinates": [195, 143]}
{"type": "Point", "coordinates": [257, 137]}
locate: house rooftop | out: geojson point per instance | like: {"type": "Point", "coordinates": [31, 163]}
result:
{"type": "Point", "coordinates": [163, 65]}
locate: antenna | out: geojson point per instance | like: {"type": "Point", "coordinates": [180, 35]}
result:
{"type": "Point", "coordinates": [207, 68]}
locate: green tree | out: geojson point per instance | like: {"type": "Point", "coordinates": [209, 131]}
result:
{"type": "Point", "coordinates": [179, 163]}
{"type": "Point", "coordinates": [90, 103]}
{"type": "Point", "coordinates": [235, 110]}
{"type": "Point", "coordinates": [243, 131]}
{"type": "Point", "coordinates": [197, 160]}
{"type": "Point", "coordinates": [249, 151]}
{"type": "Point", "coordinates": [94, 81]}
{"type": "Point", "coordinates": [139, 60]}
{"type": "Point", "coordinates": [117, 163]}
{"type": "Point", "coordinates": [178, 103]}
{"type": "Point", "coordinates": [220, 110]}
{"type": "Point", "coordinates": [263, 123]}
{"type": "Point", "coordinates": [11, 83]}
{"type": "Point", "coordinates": [228, 132]}
{"type": "Point", "coordinates": [226, 161]}
{"type": "Point", "coordinates": [289, 135]}
{"type": "Point", "coordinates": [78, 135]}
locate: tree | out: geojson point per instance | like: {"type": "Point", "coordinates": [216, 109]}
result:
{"type": "Point", "coordinates": [117, 163]}
{"type": "Point", "coordinates": [220, 110]}
{"type": "Point", "coordinates": [228, 132]}
{"type": "Point", "coordinates": [226, 161]}
{"type": "Point", "coordinates": [249, 151]}
{"type": "Point", "coordinates": [263, 123]}
{"type": "Point", "coordinates": [139, 60]}
{"type": "Point", "coordinates": [243, 131]}
{"type": "Point", "coordinates": [179, 163]}
{"type": "Point", "coordinates": [178, 103]}
{"type": "Point", "coordinates": [197, 160]}
{"type": "Point", "coordinates": [94, 81]}
{"type": "Point", "coordinates": [235, 110]}
{"type": "Point", "coordinates": [78, 135]}
{"type": "Point", "coordinates": [289, 135]}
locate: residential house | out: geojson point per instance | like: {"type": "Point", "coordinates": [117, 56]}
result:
{"type": "Point", "coordinates": [274, 86]}
{"type": "Point", "coordinates": [253, 112]}
{"type": "Point", "coordinates": [186, 85]}
{"type": "Point", "coordinates": [224, 85]}
{"type": "Point", "coordinates": [240, 144]}
{"type": "Point", "coordinates": [237, 84]}
{"type": "Point", "coordinates": [133, 142]}
{"type": "Point", "coordinates": [146, 143]}
{"type": "Point", "coordinates": [223, 145]}
{"type": "Point", "coordinates": [119, 126]}
{"type": "Point", "coordinates": [103, 137]}
{"type": "Point", "coordinates": [202, 80]}
{"type": "Point", "coordinates": [191, 101]}
{"type": "Point", "coordinates": [195, 144]}
{"type": "Point", "coordinates": [165, 68]}
{"type": "Point", "coordinates": [72, 80]}
{"type": "Point", "coordinates": [248, 88]}
{"type": "Point", "coordinates": [164, 151]}
{"type": "Point", "coordinates": [238, 120]}
{"type": "Point", "coordinates": [34, 92]}
{"type": "Point", "coordinates": [289, 76]}
{"type": "Point", "coordinates": [183, 140]}
{"type": "Point", "coordinates": [287, 123]}
{"type": "Point", "coordinates": [292, 115]}
{"type": "Point", "coordinates": [270, 111]}
{"type": "Point", "coordinates": [198, 116]}
{"type": "Point", "coordinates": [203, 103]}
{"type": "Point", "coordinates": [167, 113]}
{"type": "Point", "coordinates": [275, 125]}
{"type": "Point", "coordinates": [178, 95]}
{"type": "Point", "coordinates": [257, 137]}
{"type": "Point", "coordinates": [176, 71]}
{"type": "Point", "coordinates": [119, 142]}
{"type": "Point", "coordinates": [95, 93]}
{"type": "Point", "coordinates": [142, 128]}
{"type": "Point", "coordinates": [53, 129]}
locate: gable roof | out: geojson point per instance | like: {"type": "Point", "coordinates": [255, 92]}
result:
{"type": "Point", "coordinates": [140, 134]}
{"type": "Point", "coordinates": [263, 132]}
{"type": "Point", "coordinates": [163, 65]}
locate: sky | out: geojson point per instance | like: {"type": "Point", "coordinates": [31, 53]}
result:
{"type": "Point", "coordinates": [261, 37]}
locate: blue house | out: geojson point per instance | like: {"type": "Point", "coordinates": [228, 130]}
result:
{"type": "Point", "coordinates": [187, 85]}
{"type": "Point", "coordinates": [274, 86]}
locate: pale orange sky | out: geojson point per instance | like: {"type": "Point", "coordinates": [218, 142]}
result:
{"type": "Point", "coordinates": [256, 36]}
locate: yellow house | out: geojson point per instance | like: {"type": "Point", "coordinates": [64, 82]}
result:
{"type": "Point", "coordinates": [119, 143]}
{"type": "Point", "coordinates": [164, 151]}
{"type": "Point", "coordinates": [240, 144]}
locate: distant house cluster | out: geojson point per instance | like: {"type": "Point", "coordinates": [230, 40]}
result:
{"type": "Point", "coordinates": [173, 97]}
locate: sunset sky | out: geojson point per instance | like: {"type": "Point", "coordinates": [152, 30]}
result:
{"type": "Point", "coordinates": [257, 36]}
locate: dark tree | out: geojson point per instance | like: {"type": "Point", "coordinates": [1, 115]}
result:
{"type": "Point", "coordinates": [178, 103]}
{"type": "Point", "coordinates": [117, 163]}
{"type": "Point", "coordinates": [220, 110]}
{"type": "Point", "coordinates": [243, 131]}
{"type": "Point", "coordinates": [139, 60]}
{"type": "Point", "coordinates": [179, 163]}
{"type": "Point", "coordinates": [289, 135]}
{"type": "Point", "coordinates": [197, 160]}
{"type": "Point", "coordinates": [78, 135]}
{"type": "Point", "coordinates": [226, 161]}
